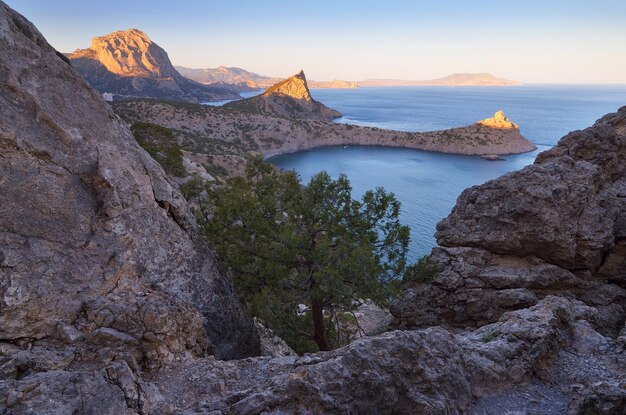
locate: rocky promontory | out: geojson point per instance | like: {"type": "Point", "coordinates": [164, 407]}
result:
{"type": "Point", "coordinates": [227, 134]}
{"type": "Point", "coordinates": [289, 98]}
{"type": "Point", "coordinates": [127, 63]}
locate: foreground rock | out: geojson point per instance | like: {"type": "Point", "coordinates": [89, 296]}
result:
{"type": "Point", "coordinates": [558, 226]}
{"type": "Point", "coordinates": [127, 63]}
{"type": "Point", "coordinates": [289, 98]}
{"type": "Point", "coordinates": [428, 371]}
{"type": "Point", "coordinates": [97, 249]}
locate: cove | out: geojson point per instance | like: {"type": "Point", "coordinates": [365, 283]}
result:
{"type": "Point", "coordinates": [427, 184]}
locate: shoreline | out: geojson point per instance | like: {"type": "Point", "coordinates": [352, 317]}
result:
{"type": "Point", "coordinates": [269, 154]}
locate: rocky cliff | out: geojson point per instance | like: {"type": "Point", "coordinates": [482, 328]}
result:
{"type": "Point", "coordinates": [127, 63]}
{"type": "Point", "coordinates": [289, 98]}
{"type": "Point", "coordinates": [98, 252]}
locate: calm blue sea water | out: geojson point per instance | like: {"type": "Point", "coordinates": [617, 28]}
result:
{"type": "Point", "coordinates": [428, 184]}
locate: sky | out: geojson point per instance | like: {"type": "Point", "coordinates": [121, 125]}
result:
{"type": "Point", "coordinates": [548, 41]}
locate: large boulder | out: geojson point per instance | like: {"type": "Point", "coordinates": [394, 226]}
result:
{"type": "Point", "coordinates": [555, 227]}
{"type": "Point", "coordinates": [92, 234]}
{"type": "Point", "coordinates": [426, 371]}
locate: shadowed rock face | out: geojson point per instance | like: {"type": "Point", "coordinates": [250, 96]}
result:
{"type": "Point", "coordinates": [127, 63]}
{"type": "Point", "coordinates": [555, 227]}
{"type": "Point", "coordinates": [289, 99]}
{"type": "Point", "coordinates": [95, 244]}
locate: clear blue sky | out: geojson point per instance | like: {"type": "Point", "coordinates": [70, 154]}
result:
{"type": "Point", "coordinates": [532, 41]}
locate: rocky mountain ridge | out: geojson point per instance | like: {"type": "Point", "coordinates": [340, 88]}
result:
{"type": "Point", "coordinates": [288, 98]}
{"type": "Point", "coordinates": [249, 80]}
{"type": "Point", "coordinates": [457, 79]}
{"type": "Point", "coordinates": [127, 63]}
{"type": "Point", "coordinates": [233, 75]}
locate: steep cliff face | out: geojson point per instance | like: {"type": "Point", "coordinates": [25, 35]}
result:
{"type": "Point", "coordinates": [289, 98]}
{"type": "Point", "coordinates": [557, 226]}
{"type": "Point", "coordinates": [97, 249]}
{"type": "Point", "coordinates": [127, 63]}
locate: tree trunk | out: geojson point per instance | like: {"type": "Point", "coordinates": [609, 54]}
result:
{"type": "Point", "coordinates": [319, 333]}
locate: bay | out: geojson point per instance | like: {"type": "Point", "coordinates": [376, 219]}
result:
{"type": "Point", "coordinates": [428, 184]}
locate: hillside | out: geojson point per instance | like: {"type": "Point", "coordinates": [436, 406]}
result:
{"type": "Point", "coordinates": [228, 75]}
{"type": "Point", "coordinates": [128, 64]}
{"type": "Point", "coordinates": [288, 98]}
{"type": "Point", "coordinates": [219, 137]}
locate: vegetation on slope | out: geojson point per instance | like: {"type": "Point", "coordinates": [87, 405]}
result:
{"type": "Point", "coordinates": [304, 258]}
{"type": "Point", "coordinates": [160, 143]}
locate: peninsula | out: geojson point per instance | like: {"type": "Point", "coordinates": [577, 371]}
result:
{"type": "Point", "coordinates": [285, 119]}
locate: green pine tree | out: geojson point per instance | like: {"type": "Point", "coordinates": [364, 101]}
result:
{"type": "Point", "coordinates": [304, 256]}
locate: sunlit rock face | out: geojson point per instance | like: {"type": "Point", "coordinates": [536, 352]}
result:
{"type": "Point", "coordinates": [289, 98]}
{"type": "Point", "coordinates": [295, 87]}
{"type": "Point", "coordinates": [127, 63]}
{"type": "Point", "coordinates": [129, 53]}
{"type": "Point", "coordinates": [499, 120]}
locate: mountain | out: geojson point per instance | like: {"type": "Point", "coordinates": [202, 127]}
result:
{"type": "Point", "coordinates": [228, 75]}
{"type": "Point", "coordinates": [458, 79]}
{"type": "Point", "coordinates": [247, 81]}
{"type": "Point", "coordinates": [289, 98]}
{"type": "Point", "coordinates": [128, 64]}
{"type": "Point", "coordinates": [335, 83]}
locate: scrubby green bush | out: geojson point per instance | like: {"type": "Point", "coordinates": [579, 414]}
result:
{"type": "Point", "coordinates": [162, 146]}
{"type": "Point", "coordinates": [423, 271]}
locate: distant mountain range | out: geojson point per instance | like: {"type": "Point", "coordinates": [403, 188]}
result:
{"type": "Point", "coordinates": [251, 80]}
{"type": "Point", "coordinates": [457, 79]}
{"type": "Point", "coordinates": [247, 80]}
{"type": "Point", "coordinates": [127, 64]}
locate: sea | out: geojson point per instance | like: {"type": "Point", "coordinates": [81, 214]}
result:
{"type": "Point", "coordinates": [428, 184]}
